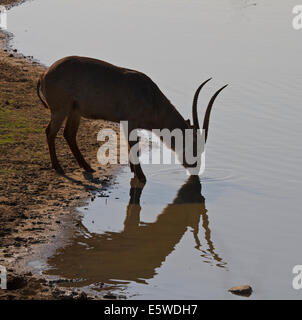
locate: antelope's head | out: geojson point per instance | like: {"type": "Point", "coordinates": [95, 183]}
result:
{"type": "Point", "coordinates": [200, 135]}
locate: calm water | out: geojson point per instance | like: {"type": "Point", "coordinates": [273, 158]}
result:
{"type": "Point", "coordinates": [179, 238]}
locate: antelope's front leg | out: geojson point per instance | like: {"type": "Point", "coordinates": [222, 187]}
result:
{"type": "Point", "coordinates": [134, 163]}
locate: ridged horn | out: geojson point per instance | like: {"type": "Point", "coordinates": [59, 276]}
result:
{"type": "Point", "coordinates": [194, 106]}
{"type": "Point", "coordinates": [208, 112]}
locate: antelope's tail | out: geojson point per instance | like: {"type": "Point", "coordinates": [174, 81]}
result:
{"type": "Point", "coordinates": [38, 93]}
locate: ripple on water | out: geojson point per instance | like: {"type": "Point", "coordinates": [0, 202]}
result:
{"type": "Point", "coordinates": [177, 175]}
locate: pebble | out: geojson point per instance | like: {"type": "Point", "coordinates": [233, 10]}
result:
{"type": "Point", "coordinates": [244, 290]}
{"type": "Point", "coordinates": [110, 296]}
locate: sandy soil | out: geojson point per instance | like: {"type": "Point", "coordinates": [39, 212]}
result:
{"type": "Point", "coordinates": [37, 206]}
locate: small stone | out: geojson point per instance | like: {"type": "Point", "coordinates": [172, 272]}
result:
{"type": "Point", "coordinates": [110, 296]}
{"type": "Point", "coordinates": [15, 282]}
{"type": "Point", "coordinates": [83, 296]}
{"type": "Point", "coordinates": [244, 290]}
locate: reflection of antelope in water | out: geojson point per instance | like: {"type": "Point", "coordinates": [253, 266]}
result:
{"type": "Point", "coordinates": [134, 253]}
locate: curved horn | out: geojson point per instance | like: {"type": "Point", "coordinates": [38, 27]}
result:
{"type": "Point", "coordinates": [208, 112]}
{"type": "Point", "coordinates": [194, 106]}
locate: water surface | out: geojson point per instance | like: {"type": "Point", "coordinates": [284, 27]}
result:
{"type": "Point", "coordinates": [178, 238]}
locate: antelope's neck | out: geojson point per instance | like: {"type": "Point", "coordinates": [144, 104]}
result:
{"type": "Point", "coordinates": [172, 119]}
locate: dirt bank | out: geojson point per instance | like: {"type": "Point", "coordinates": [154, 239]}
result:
{"type": "Point", "coordinates": [36, 205]}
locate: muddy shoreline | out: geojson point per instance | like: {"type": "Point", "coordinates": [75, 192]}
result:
{"type": "Point", "coordinates": [37, 206]}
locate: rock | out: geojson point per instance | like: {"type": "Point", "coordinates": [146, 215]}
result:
{"type": "Point", "coordinates": [110, 296]}
{"type": "Point", "coordinates": [244, 290]}
{"type": "Point", "coordinates": [57, 293]}
{"type": "Point", "coordinates": [83, 296]}
{"type": "Point", "coordinates": [19, 239]}
{"type": "Point", "coordinates": [15, 282]}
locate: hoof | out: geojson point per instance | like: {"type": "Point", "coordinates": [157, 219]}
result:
{"type": "Point", "coordinates": [59, 170]}
{"type": "Point", "coordinates": [135, 183]}
{"type": "Point", "coordinates": [89, 170]}
{"type": "Point", "coordinates": [141, 179]}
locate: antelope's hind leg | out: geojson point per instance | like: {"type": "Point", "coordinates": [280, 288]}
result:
{"type": "Point", "coordinates": [70, 133]}
{"type": "Point", "coordinates": [51, 133]}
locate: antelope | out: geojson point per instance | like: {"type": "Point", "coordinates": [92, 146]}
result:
{"type": "Point", "coordinates": [75, 87]}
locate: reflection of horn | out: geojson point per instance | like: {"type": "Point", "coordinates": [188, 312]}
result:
{"type": "Point", "coordinates": [191, 193]}
{"type": "Point", "coordinates": [211, 248]}
{"type": "Point", "coordinates": [195, 235]}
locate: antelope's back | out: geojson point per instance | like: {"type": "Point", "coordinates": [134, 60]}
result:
{"type": "Point", "coordinates": [103, 90]}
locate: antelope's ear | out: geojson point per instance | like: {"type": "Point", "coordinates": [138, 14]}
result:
{"type": "Point", "coordinates": [188, 123]}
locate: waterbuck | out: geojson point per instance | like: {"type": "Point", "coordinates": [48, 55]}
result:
{"type": "Point", "coordinates": [76, 87]}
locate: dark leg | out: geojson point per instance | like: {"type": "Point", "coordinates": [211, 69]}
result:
{"type": "Point", "coordinates": [130, 163]}
{"type": "Point", "coordinates": [70, 133]}
{"type": "Point", "coordinates": [135, 165]}
{"type": "Point", "coordinates": [51, 133]}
